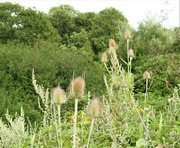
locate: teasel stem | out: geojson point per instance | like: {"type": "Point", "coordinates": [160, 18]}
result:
{"type": "Point", "coordinates": [75, 121]}
{"type": "Point", "coordinates": [90, 132]}
{"type": "Point", "coordinates": [145, 98]}
{"type": "Point", "coordinates": [59, 120]}
{"type": "Point", "coordinates": [128, 54]}
{"type": "Point", "coordinates": [107, 69]}
{"type": "Point", "coordinates": [130, 64]}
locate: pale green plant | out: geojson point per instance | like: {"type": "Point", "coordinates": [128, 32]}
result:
{"type": "Point", "coordinates": [14, 132]}
{"type": "Point", "coordinates": [44, 96]}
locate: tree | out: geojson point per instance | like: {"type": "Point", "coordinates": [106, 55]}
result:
{"type": "Point", "coordinates": [84, 21]}
{"type": "Point", "coordinates": [25, 25]}
{"type": "Point", "coordinates": [152, 38]}
{"type": "Point", "coordinates": [62, 18]}
{"type": "Point", "coordinates": [105, 27]}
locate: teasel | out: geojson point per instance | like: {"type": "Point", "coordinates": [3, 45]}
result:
{"type": "Point", "coordinates": [95, 111]}
{"type": "Point", "coordinates": [58, 95]}
{"type": "Point", "coordinates": [95, 108]}
{"type": "Point", "coordinates": [127, 34]}
{"type": "Point", "coordinates": [131, 53]}
{"type": "Point", "coordinates": [146, 75]}
{"type": "Point", "coordinates": [104, 57]}
{"type": "Point", "coordinates": [112, 43]}
{"type": "Point", "coordinates": [77, 88]}
{"type": "Point", "coordinates": [112, 50]}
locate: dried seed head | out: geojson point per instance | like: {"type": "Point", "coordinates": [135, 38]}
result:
{"type": "Point", "coordinates": [112, 43]}
{"type": "Point", "coordinates": [127, 34]}
{"type": "Point", "coordinates": [123, 83]}
{"type": "Point", "coordinates": [58, 95]}
{"type": "Point", "coordinates": [77, 88]}
{"type": "Point", "coordinates": [131, 53]}
{"type": "Point", "coordinates": [95, 108]}
{"type": "Point", "coordinates": [111, 50]}
{"type": "Point", "coordinates": [104, 57]}
{"type": "Point", "coordinates": [146, 75]}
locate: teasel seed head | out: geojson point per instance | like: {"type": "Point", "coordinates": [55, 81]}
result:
{"type": "Point", "coordinates": [58, 95]}
{"type": "Point", "coordinates": [146, 75]}
{"type": "Point", "coordinates": [112, 50]}
{"type": "Point", "coordinates": [95, 108]}
{"type": "Point", "coordinates": [131, 53]}
{"type": "Point", "coordinates": [104, 57]}
{"type": "Point", "coordinates": [127, 34]}
{"type": "Point", "coordinates": [77, 88]}
{"type": "Point", "coordinates": [112, 43]}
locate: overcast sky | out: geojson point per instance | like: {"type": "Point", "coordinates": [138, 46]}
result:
{"type": "Point", "coordinates": [134, 10]}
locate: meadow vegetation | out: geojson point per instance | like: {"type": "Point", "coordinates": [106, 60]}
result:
{"type": "Point", "coordinates": [70, 79]}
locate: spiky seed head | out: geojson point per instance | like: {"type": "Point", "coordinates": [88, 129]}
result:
{"type": "Point", "coordinates": [131, 53]}
{"type": "Point", "coordinates": [77, 88]}
{"type": "Point", "coordinates": [112, 43]}
{"type": "Point", "coordinates": [112, 50]}
{"type": "Point", "coordinates": [95, 108]}
{"type": "Point", "coordinates": [104, 57]}
{"type": "Point", "coordinates": [127, 34]}
{"type": "Point", "coordinates": [123, 83]}
{"type": "Point", "coordinates": [146, 75]}
{"type": "Point", "coordinates": [58, 95]}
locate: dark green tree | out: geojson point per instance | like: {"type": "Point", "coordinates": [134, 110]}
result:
{"type": "Point", "coordinates": [25, 25]}
{"type": "Point", "coordinates": [84, 21]}
{"type": "Point", "coordinates": [62, 18]}
{"type": "Point", "coordinates": [105, 27]}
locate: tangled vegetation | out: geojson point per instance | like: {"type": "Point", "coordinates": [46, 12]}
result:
{"type": "Point", "coordinates": [63, 85]}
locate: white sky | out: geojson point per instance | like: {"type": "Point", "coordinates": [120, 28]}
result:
{"type": "Point", "coordinates": [134, 10]}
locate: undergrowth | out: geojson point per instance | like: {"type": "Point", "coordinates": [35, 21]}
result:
{"type": "Point", "coordinates": [115, 119]}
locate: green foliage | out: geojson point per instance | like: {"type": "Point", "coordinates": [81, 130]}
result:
{"type": "Point", "coordinates": [152, 38]}
{"type": "Point", "coordinates": [164, 70]}
{"type": "Point", "coordinates": [62, 18]}
{"type": "Point", "coordinates": [104, 27]}
{"type": "Point", "coordinates": [32, 40]}
{"type": "Point", "coordinates": [84, 20]}
{"type": "Point", "coordinates": [22, 25]}
{"type": "Point", "coordinates": [176, 44]}
{"type": "Point", "coordinates": [50, 62]}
